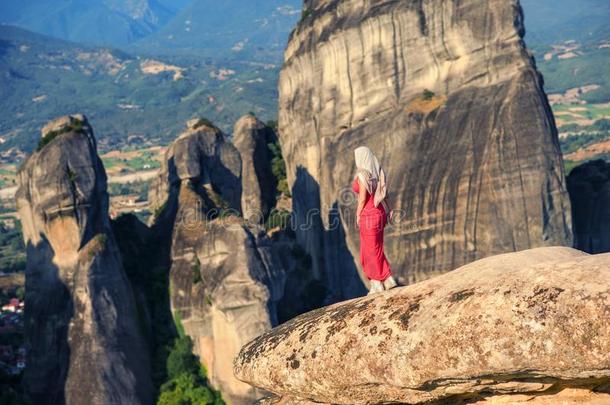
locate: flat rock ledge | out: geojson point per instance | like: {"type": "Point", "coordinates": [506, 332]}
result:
{"type": "Point", "coordinates": [528, 326]}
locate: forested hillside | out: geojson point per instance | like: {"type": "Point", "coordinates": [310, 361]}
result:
{"type": "Point", "coordinates": [128, 98]}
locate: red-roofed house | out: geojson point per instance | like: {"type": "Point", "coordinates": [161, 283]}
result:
{"type": "Point", "coordinates": [13, 305]}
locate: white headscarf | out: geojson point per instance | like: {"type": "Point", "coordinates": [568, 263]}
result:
{"type": "Point", "coordinates": [371, 174]}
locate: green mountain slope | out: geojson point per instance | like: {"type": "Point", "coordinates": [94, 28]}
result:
{"type": "Point", "coordinates": [238, 29]}
{"type": "Point", "coordinates": [571, 42]}
{"type": "Point", "coordinates": [146, 98]}
{"type": "Point", "coordinates": [553, 21]}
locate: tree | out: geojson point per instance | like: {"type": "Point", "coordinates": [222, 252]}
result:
{"type": "Point", "coordinates": [188, 383]}
{"type": "Point", "coordinates": [181, 359]}
{"type": "Point", "coordinates": [186, 389]}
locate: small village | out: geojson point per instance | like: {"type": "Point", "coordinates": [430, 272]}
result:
{"type": "Point", "coordinates": [12, 349]}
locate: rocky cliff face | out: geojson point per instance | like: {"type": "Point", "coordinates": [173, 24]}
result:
{"type": "Point", "coordinates": [528, 326]}
{"type": "Point", "coordinates": [81, 326]}
{"type": "Point", "coordinates": [446, 94]}
{"type": "Point", "coordinates": [225, 280]}
{"type": "Point", "coordinates": [589, 187]}
{"type": "Point", "coordinates": [250, 137]}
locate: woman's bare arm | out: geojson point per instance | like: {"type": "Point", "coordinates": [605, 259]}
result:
{"type": "Point", "coordinates": [361, 200]}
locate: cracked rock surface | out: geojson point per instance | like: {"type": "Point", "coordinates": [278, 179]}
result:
{"type": "Point", "coordinates": [519, 326]}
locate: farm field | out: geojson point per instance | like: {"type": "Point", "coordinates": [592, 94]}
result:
{"type": "Point", "coordinates": [579, 114]}
{"type": "Point", "coordinates": [124, 162]}
{"type": "Point", "coordinates": [129, 174]}
{"type": "Point", "coordinates": [584, 132]}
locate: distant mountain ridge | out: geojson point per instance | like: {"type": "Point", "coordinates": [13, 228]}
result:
{"type": "Point", "coordinates": [108, 22]}
{"type": "Point", "coordinates": [230, 28]}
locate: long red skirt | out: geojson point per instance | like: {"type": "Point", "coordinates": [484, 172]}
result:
{"type": "Point", "coordinates": [372, 256]}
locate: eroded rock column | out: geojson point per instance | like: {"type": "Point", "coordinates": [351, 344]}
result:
{"type": "Point", "coordinates": [448, 97]}
{"type": "Point", "coordinates": [82, 330]}
{"type": "Point", "coordinates": [225, 280]}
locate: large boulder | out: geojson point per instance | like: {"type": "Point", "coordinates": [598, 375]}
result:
{"type": "Point", "coordinates": [589, 187]}
{"type": "Point", "coordinates": [225, 280]}
{"type": "Point", "coordinates": [81, 325]}
{"type": "Point", "coordinates": [250, 137]}
{"type": "Point", "coordinates": [511, 326]}
{"type": "Point", "coordinates": [448, 97]}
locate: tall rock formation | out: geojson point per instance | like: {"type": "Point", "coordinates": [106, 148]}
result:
{"type": "Point", "coordinates": [225, 280]}
{"type": "Point", "coordinates": [524, 327]}
{"type": "Point", "coordinates": [447, 96]}
{"type": "Point", "coordinates": [201, 158]}
{"type": "Point", "coordinates": [251, 137]}
{"type": "Point", "coordinates": [81, 326]}
{"type": "Point", "coordinates": [589, 187]}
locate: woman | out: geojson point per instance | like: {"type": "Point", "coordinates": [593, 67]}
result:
{"type": "Point", "coordinates": [371, 217]}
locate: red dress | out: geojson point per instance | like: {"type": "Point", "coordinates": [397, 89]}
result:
{"type": "Point", "coordinates": [372, 222]}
